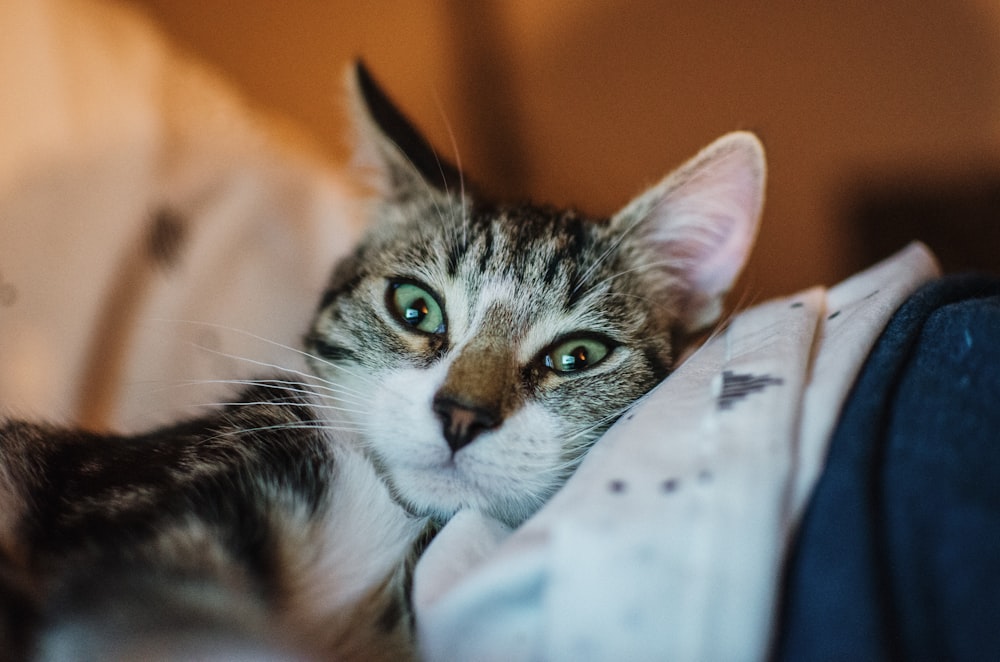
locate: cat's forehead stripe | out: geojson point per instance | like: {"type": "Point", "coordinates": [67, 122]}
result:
{"type": "Point", "coordinates": [530, 242]}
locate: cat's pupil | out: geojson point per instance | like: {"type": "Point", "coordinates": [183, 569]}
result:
{"type": "Point", "coordinates": [417, 311]}
{"type": "Point", "coordinates": [575, 359]}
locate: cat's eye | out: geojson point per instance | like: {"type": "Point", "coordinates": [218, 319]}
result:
{"type": "Point", "coordinates": [416, 307]}
{"type": "Point", "coordinates": [575, 354]}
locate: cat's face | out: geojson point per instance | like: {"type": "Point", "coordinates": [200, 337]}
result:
{"type": "Point", "coordinates": [482, 349]}
{"type": "Point", "coordinates": [486, 359]}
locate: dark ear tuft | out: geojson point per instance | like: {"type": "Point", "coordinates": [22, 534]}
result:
{"type": "Point", "coordinates": [395, 126]}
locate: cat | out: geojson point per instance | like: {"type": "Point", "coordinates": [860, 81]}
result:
{"type": "Point", "coordinates": [465, 356]}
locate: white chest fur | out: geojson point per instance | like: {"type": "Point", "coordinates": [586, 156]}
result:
{"type": "Point", "coordinates": [335, 560]}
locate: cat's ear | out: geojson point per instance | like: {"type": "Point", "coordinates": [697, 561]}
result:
{"type": "Point", "coordinates": [401, 162]}
{"type": "Point", "coordinates": [692, 232]}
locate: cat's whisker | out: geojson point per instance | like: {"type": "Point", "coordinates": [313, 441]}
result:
{"type": "Point", "coordinates": [325, 390]}
{"type": "Point", "coordinates": [324, 401]}
{"type": "Point", "coordinates": [316, 424]}
{"type": "Point", "coordinates": [588, 433]}
{"type": "Point", "coordinates": [433, 197]}
{"type": "Point", "coordinates": [722, 325]}
{"type": "Point", "coordinates": [314, 380]}
{"type": "Point", "coordinates": [340, 367]}
{"type": "Point", "coordinates": [746, 299]}
{"type": "Point", "coordinates": [230, 329]}
{"type": "Point", "coordinates": [258, 362]}
{"type": "Point", "coordinates": [584, 436]}
{"type": "Point", "coordinates": [278, 383]}
{"type": "Point", "coordinates": [645, 300]}
{"type": "Point", "coordinates": [438, 205]}
{"type": "Point", "coordinates": [597, 263]}
{"type": "Point", "coordinates": [284, 403]}
{"type": "Point", "coordinates": [639, 268]}
{"type": "Point", "coordinates": [458, 165]}
{"type": "Point", "coordinates": [403, 397]}
{"type": "Point", "coordinates": [614, 246]}
{"type": "Point", "coordinates": [324, 386]}
{"type": "Point", "coordinates": [291, 387]}
{"type": "Point", "coordinates": [249, 334]}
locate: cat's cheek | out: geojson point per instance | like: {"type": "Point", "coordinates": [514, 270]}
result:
{"type": "Point", "coordinates": [403, 427]}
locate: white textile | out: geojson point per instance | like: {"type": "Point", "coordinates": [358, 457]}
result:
{"type": "Point", "coordinates": [667, 544]}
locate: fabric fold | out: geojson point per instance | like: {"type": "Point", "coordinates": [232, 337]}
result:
{"type": "Point", "coordinates": [668, 543]}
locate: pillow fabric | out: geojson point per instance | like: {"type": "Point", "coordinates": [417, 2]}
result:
{"type": "Point", "coordinates": [669, 541]}
{"type": "Point", "coordinates": [154, 229]}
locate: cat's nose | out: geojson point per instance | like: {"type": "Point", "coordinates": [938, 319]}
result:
{"type": "Point", "coordinates": [463, 423]}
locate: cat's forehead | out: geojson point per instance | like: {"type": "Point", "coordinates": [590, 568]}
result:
{"type": "Point", "coordinates": [532, 244]}
{"type": "Point", "coordinates": [519, 268]}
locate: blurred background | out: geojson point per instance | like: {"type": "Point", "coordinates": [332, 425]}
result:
{"type": "Point", "coordinates": [881, 119]}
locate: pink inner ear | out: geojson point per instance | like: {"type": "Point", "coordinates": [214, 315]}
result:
{"type": "Point", "coordinates": [700, 222]}
{"type": "Point", "coordinates": [708, 217]}
{"type": "Point", "coordinates": [717, 225]}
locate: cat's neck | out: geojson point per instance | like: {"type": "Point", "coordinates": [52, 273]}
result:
{"type": "Point", "coordinates": [352, 560]}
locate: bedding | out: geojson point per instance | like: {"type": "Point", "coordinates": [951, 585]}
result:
{"type": "Point", "coordinates": [669, 541]}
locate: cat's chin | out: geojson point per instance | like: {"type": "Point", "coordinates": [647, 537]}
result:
{"type": "Point", "coordinates": [439, 490]}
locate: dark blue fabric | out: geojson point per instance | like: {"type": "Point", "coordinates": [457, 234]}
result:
{"type": "Point", "coordinates": [898, 557]}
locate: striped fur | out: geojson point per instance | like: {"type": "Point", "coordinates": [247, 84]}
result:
{"type": "Point", "coordinates": [266, 527]}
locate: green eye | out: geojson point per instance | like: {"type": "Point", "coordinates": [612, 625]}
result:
{"type": "Point", "coordinates": [576, 354]}
{"type": "Point", "coordinates": [416, 307]}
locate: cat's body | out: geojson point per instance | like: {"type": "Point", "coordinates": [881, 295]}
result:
{"type": "Point", "coordinates": [465, 356]}
{"type": "Point", "coordinates": [247, 528]}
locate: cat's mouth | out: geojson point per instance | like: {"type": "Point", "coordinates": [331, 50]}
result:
{"type": "Point", "coordinates": [440, 488]}
{"type": "Point", "coordinates": [455, 470]}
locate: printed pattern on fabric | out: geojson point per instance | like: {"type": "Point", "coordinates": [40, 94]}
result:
{"type": "Point", "coordinates": [736, 387]}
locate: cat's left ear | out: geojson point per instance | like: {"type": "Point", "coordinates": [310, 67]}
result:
{"type": "Point", "coordinates": [388, 146]}
{"type": "Point", "coordinates": [691, 234]}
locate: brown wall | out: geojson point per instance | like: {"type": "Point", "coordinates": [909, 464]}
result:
{"type": "Point", "coordinates": [586, 101]}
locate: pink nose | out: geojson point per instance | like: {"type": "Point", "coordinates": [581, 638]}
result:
{"type": "Point", "coordinates": [463, 423]}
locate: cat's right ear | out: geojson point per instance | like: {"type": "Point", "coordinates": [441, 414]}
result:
{"type": "Point", "coordinates": [401, 163]}
{"type": "Point", "coordinates": [692, 233]}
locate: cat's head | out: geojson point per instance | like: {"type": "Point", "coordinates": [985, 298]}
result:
{"type": "Point", "coordinates": [483, 347]}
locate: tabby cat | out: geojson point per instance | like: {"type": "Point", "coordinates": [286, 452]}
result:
{"type": "Point", "coordinates": [478, 348]}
